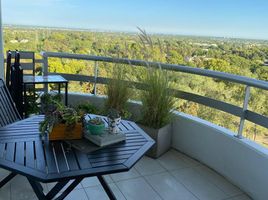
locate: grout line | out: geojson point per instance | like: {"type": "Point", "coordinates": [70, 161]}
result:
{"type": "Point", "coordinates": [86, 193]}
{"type": "Point", "coordinates": [153, 188]}
{"type": "Point", "coordinates": [184, 186]}
{"type": "Point", "coordinates": [118, 190]}
{"type": "Point", "coordinates": [217, 186]}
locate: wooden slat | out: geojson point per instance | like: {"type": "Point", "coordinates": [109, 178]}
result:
{"type": "Point", "coordinates": [62, 163]}
{"type": "Point", "coordinates": [23, 54]}
{"type": "Point", "coordinates": [27, 66]}
{"type": "Point", "coordinates": [50, 159]}
{"type": "Point", "coordinates": [10, 151]}
{"type": "Point", "coordinates": [82, 159]}
{"type": "Point", "coordinates": [108, 163]}
{"type": "Point", "coordinates": [9, 105]}
{"type": "Point", "coordinates": [125, 125]}
{"type": "Point", "coordinates": [30, 158]}
{"type": "Point", "coordinates": [72, 162]}
{"type": "Point", "coordinates": [93, 156]}
{"type": "Point", "coordinates": [19, 157]}
{"type": "Point", "coordinates": [2, 149]}
{"type": "Point", "coordinates": [110, 158]}
{"type": "Point", "coordinates": [40, 156]}
{"type": "Point", "coordinates": [3, 111]}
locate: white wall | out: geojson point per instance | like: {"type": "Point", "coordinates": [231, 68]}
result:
{"type": "Point", "coordinates": [241, 161]}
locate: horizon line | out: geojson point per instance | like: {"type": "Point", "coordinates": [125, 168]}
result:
{"type": "Point", "coordinates": [132, 32]}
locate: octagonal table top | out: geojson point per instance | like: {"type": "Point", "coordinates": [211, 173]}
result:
{"type": "Point", "coordinates": [24, 152]}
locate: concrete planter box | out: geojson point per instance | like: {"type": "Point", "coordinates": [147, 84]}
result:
{"type": "Point", "coordinates": [162, 138]}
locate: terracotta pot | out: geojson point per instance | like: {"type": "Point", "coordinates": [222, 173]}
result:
{"type": "Point", "coordinates": [62, 132]}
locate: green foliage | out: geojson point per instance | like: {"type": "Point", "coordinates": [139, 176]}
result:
{"type": "Point", "coordinates": [157, 102]}
{"type": "Point", "coordinates": [118, 91]}
{"type": "Point", "coordinates": [242, 57]}
{"type": "Point", "coordinates": [86, 108]}
{"type": "Point", "coordinates": [56, 113]}
{"type": "Point", "coordinates": [96, 121]}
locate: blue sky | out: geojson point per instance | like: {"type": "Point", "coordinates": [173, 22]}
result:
{"type": "Point", "coordinates": [229, 18]}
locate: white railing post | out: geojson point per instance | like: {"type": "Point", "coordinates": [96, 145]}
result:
{"type": "Point", "coordinates": [96, 71]}
{"type": "Point", "coordinates": [245, 107]}
{"type": "Point", "coordinates": [2, 63]}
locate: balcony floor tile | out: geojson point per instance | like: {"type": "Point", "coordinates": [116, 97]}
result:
{"type": "Point", "coordinates": [228, 188]}
{"type": "Point", "coordinates": [137, 188]}
{"type": "Point", "coordinates": [198, 185]}
{"type": "Point", "coordinates": [125, 175]}
{"type": "Point", "coordinates": [149, 166]}
{"type": "Point", "coordinates": [168, 188]}
{"type": "Point", "coordinates": [172, 176]}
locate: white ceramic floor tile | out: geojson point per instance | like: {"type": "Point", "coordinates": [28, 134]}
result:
{"type": "Point", "coordinates": [108, 179]}
{"type": "Point", "coordinates": [90, 181]}
{"type": "Point", "coordinates": [118, 194]}
{"type": "Point", "coordinates": [5, 192]}
{"type": "Point", "coordinates": [125, 175]}
{"type": "Point", "coordinates": [96, 192]}
{"type": "Point", "coordinates": [240, 197]}
{"type": "Point", "coordinates": [138, 188]}
{"type": "Point", "coordinates": [198, 185]}
{"type": "Point", "coordinates": [78, 194]}
{"type": "Point", "coordinates": [93, 181]}
{"type": "Point", "coordinates": [190, 161]}
{"type": "Point", "coordinates": [21, 189]}
{"type": "Point", "coordinates": [148, 166]}
{"type": "Point", "coordinates": [172, 160]}
{"type": "Point", "coordinates": [168, 188]}
{"type": "Point", "coordinates": [218, 180]}
{"type": "Point", "coordinates": [3, 173]}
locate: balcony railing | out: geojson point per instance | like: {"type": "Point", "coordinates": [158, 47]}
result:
{"type": "Point", "coordinates": [242, 112]}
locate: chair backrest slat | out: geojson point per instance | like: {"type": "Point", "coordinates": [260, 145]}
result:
{"type": "Point", "coordinates": [27, 60]}
{"type": "Point", "coordinates": [8, 111]}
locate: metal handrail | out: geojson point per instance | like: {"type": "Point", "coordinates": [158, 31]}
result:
{"type": "Point", "coordinates": [243, 113]}
{"type": "Point", "coordinates": [180, 68]}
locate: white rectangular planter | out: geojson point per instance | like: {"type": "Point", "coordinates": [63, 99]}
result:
{"type": "Point", "coordinates": [162, 138]}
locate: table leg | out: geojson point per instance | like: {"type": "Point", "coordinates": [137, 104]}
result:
{"type": "Point", "coordinates": [69, 189]}
{"type": "Point", "coordinates": [55, 190]}
{"type": "Point", "coordinates": [66, 94]}
{"type": "Point", "coordinates": [59, 85]}
{"type": "Point", "coordinates": [106, 188]}
{"type": "Point", "coordinates": [7, 179]}
{"type": "Point", "coordinates": [38, 191]}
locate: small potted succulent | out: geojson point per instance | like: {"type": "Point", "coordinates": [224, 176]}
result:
{"type": "Point", "coordinates": [95, 125]}
{"type": "Point", "coordinates": [114, 120]}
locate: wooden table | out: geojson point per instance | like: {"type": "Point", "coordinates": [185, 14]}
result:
{"type": "Point", "coordinates": [22, 151]}
{"type": "Point", "coordinates": [54, 79]}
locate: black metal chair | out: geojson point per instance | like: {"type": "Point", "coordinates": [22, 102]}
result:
{"type": "Point", "coordinates": [8, 115]}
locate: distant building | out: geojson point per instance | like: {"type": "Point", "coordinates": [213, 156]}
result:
{"type": "Point", "coordinates": [24, 41]}
{"type": "Point", "coordinates": [13, 41]}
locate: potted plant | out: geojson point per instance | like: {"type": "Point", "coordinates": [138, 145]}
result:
{"type": "Point", "coordinates": [114, 120]}
{"type": "Point", "coordinates": [95, 126]}
{"type": "Point", "coordinates": [61, 122]}
{"type": "Point", "coordinates": [118, 92]}
{"type": "Point", "coordinates": [157, 103]}
{"type": "Point", "coordinates": [87, 108]}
